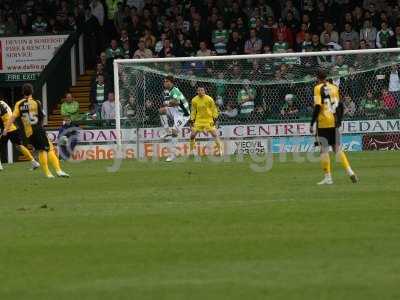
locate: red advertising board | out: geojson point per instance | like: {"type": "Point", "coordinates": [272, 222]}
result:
{"type": "Point", "coordinates": [387, 141]}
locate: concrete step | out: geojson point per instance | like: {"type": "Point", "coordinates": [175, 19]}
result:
{"type": "Point", "coordinates": [82, 94]}
{"type": "Point", "coordinates": [79, 89]}
{"type": "Point", "coordinates": [82, 83]}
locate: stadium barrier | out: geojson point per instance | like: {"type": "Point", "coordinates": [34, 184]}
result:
{"type": "Point", "coordinates": [238, 139]}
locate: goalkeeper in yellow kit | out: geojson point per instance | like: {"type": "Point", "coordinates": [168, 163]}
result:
{"type": "Point", "coordinates": [328, 114]}
{"type": "Point", "coordinates": [203, 116]}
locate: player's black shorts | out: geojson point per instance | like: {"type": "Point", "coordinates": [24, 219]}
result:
{"type": "Point", "coordinates": [39, 140]}
{"type": "Point", "coordinates": [328, 137]}
{"type": "Point", "coordinates": [13, 136]}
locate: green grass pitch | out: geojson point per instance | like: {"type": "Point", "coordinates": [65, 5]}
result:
{"type": "Point", "coordinates": [201, 231]}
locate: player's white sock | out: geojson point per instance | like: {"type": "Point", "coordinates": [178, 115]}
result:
{"type": "Point", "coordinates": [172, 149]}
{"type": "Point", "coordinates": [164, 121]}
{"type": "Point", "coordinates": [1, 167]}
{"type": "Point", "coordinates": [350, 171]}
{"type": "Point", "coordinates": [35, 164]}
{"type": "Point", "coordinates": [174, 141]}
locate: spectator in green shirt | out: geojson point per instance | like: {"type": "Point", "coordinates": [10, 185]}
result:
{"type": "Point", "coordinates": [289, 109]}
{"type": "Point", "coordinates": [39, 25]}
{"type": "Point", "coordinates": [220, 89]}
{"type": "Point", "coordinates": [114, 50]}
{"type": "Point", "coordinates": [383, 36]}
{"type": "Point", "coordinates": [280, 46]}
{"type": "Point", "coordinates": [370, 106]}
{"type": "Point", "coordinates": [220, 38]}
{"type": "Point", "coordinates": [246, 98]}
{"type": "Point", "coordinates": [340, 70]}
{"type": "Point", "coordinates": [70, 108]}
{"type": "Point", "coordinates": [112, 7]}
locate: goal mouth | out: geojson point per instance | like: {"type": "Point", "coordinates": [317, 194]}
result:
{"type": "Point", "coordinates": [265, 89]}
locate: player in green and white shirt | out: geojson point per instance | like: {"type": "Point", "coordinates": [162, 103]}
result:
{"type": "Point", "coordinates": [176, 108]}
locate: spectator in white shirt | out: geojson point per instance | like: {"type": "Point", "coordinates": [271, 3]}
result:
{"type": "Point", "coordinates": [139, 4]}
{"type": "Point", "coordinates": [394, 83]}
{"type": "Point", "coordinates": [349, 107]}
{"type": "Point", "coordinates": [328, 43]}
{"type": "Point", "coordinates": [333, 35]}
{"type": "Point", "coordinates": [230, 110]}
{"type": "Point", "coordinates": [349, 35]}
{"type": "Point", "coordinates": [108, 108]}
{"type": "Point", "coordinates": [142, 51]}
{"type": "Point", "coordinates": [97, 10]}
{"type": "Point", "coordinates": [159, 45]}
{"type": "Point", "coordinates": [368, 33]}
{"type": "Point", "coordinates": [253, 45]}
{"type": "Point", "coordinates": [204, 51]}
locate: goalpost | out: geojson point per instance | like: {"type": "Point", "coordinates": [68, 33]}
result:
{"type": "Point", "coordinates": [259, 97]}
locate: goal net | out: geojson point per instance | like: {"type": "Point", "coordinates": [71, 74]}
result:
{"type": "Point", "coordinates": [261, 97]}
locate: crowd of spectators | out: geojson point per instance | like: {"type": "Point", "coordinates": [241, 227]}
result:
{"type": "Point", "coordinates": [145, 29]}
{"type": "Point", "coordinates": [19, 17]}
{"type": "Point", "coordinates": [218, 27]}
{"type": "Point", "coordinates": [168, 28]}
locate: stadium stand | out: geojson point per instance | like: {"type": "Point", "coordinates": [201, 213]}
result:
{"type": "Point", "coordinates": [154, 28]}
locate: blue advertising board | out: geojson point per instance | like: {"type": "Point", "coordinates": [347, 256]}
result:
{"type": "Point", "coordinates": [306, 144]}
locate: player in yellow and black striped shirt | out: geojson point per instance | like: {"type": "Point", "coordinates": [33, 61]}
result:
{"type": "Point", "coordinates": [328, 114]}
{"type": "Point", "coordinates": [12, 135]}
{"type": "Point", "coordinates": [30, 112]}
